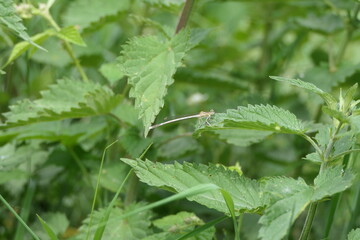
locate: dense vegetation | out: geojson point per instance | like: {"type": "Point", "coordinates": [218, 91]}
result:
{"type": "Point", "coordinates": [269, 150]}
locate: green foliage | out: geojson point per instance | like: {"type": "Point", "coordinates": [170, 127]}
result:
{"type": "Point", "coordinates": [258, 117]}
{"type": "Point", "coordinates": [67, 99]}
{"type": "Point", "coordinates": [249, 161]}
{"type": "Point", "coordinates": [85, 12]}
{"type": "Point", "coordinates": [150, 67]}
{"type": "Point", "coordinates": [179, 177]}
{"type": "Point", "coordinates": [134, 227]}
{"type": "Point", "coordinates": [9, 17]}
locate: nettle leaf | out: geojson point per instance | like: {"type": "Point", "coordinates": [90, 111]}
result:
{"type": "Point", "coordinates": [9, 17]}
{"type": "Point", "coordinates": [72, 35]}
{"type": "Point", "coordinates": [179, 177]}
{"type": "Point", "coordinates": [66, 99]}
{"type": "Point", "coordinates": [133, 142]}
{"type": "Point", "coordinates": [332, 180]}
{"type": "Point", "coordinates": [150, 65]}
{"type": "Point", "coordinates": [255, 117]}
{"type": "Point", "coordinates": [354, 234]}
{"type": "Point", "coordinates": [328, 98]}
{"type": "Point", "coordinates": [84, 12]}
{"type": "Point", "coordinates": [290, 197]}
{"type": "Point", "coordinates": [130, 228]}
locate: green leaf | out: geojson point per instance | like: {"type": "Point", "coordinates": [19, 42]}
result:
{"type": "Point", "coordinates": [177, 148]}
{"type": "Point", "coordinates": [326, 24]}
{"type": "Point", "coordinates": [328, 98]}
{"type": "Point", "coordinates": [72, 35]}
{"type": "Point", "coordinates": [85, 12]}
{"type": "Point", "coordinates": [330, 181]}
{"type": "Point", "coordinates": [112, 72]}
{"type": "Point", "coordinates": [180, 177]}
{"type": "Point", "coordinates": [150, 65]}
{"type": "Point", "coordinates": [292, 198]}
{"type": "Point", "coordinates": [348, 98]}
{"type": "Point", "coordinates": [255, 117]}
{"type": "Point", "coordinates": [8, 175]}
{"type": "Point", "coordinates": [21, 47]}
{"type": "Point", "coordinates": [354, 234]}
{"type": "Point", "coordinates": [130, 228]}
{"type": "Point", "coordinates": [313, 157]}
{"type": "Point", "coordinates": [66, 99]}
{"type": "Point", "coordinates": [9, 17]}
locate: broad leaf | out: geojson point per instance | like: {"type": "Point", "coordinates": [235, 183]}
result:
{"type": "Point", "coordinates": [112, 72]}
{"type": "Point", "coordinates": [328, 98]}
{"type": "Point", "coordinates": [165, 2]}
{"type": "Point", "coordinates": [179, 177]}
{"type": "Point", "coordinates": [66, 99]}
{"type": "Point", "coordinates": [9, 17]}
{"type": "Point", "coordinates": [85, 12]}
{"type": "Point", "coordinates": [255, 117]}
{"type": "Point", "coordinates": [130, 228]}
{"type": "Point", "coordinates": [330, 181]}
{"type": "Point", "coordinates": [150, 65]}
{"type": "Point", "coordinates": [133, 142]}
{"type": "Point", "coordinates": [291, 197]}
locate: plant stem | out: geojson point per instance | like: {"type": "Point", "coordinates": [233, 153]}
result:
{"type": "Point", "coordinates": [185, 14]}
{"type": "Point", "coordinates": [308, 222]}
{"type": "Point", "coordinates": [67, 45]}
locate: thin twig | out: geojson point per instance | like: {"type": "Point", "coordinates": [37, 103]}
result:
{"type": "Point", "coordinates": [185, 15]}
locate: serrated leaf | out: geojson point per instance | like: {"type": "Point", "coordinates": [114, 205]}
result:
{"type": "Point", "coordinates": [255, 117]}
{"type": "Point", "coordinates": [332, 180]}
{"type": "Point", "coordinates": [130, 228]}
{"type": "Point", "coordinates": [293, 196]}
{"type": "Point", "coordinates": [328, 98]}
{"type": "Point", "coordinates": [21, 47]}
{"type": "Point", "coordinates": [72, 35]}
{"type": "Point", "coordinates": [150, 65]}
{"type": "Point", "coordinates": [354, 234]}
{"type": "Point", "coordinates": [179, 177]}
{"type": "Point", "coordinates": [323, 136]}
{"type": "Point", "coordinates": [66, 99]}
{"type": "Point", "coordinates": [85, 12]}
{"type": "Point", "coordinates": [9, 17]}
